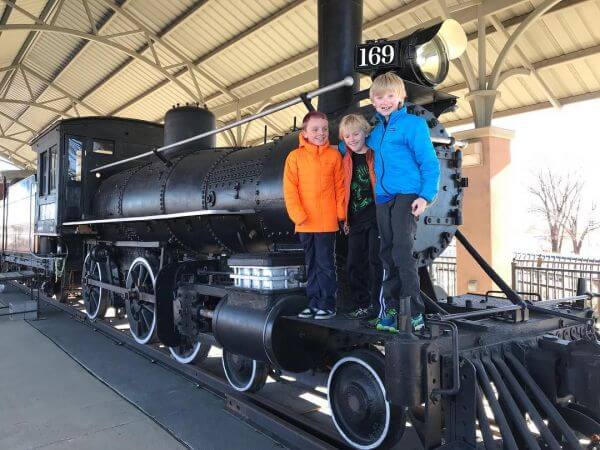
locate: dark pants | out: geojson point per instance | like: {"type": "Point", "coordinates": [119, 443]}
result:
{"type": "Point", "coordinates": [364, 266]}
{"type": "Point", "coordinates": [319, 256]}
{"type": "Point", "coordinates": [397, 228]}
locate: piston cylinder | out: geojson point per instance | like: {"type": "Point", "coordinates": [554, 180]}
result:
{"type": "Point", "coordinates": [257, 326]}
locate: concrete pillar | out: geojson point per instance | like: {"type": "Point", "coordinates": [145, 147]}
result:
{"type": "Point", "coordinates": [486, 207]}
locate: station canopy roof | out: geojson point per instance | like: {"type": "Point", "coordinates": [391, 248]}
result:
{"type": "Point", "coordinates": [137, 58]}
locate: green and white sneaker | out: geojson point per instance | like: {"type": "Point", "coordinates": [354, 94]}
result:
{"type": "Point", "coordinates": [389, 322]}
{"type": "Point", "coordinates": [418, 322]}
{"type": "Point", "coordinates": [372, 323]}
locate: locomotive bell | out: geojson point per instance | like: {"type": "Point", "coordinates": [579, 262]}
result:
{"type": "Point", "coordinates": [183, 122]}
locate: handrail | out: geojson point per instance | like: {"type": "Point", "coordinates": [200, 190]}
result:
{"type": "Point", "coordinates": [348, 81]}
{"type": "Point", "coordinates": [455, 389]}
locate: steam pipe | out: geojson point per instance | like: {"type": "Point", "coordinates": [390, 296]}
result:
{"type": "Point", "coordinates": [515, 414]}
{"type": "Point", "coordinates": [348, 81]}
{"type": "Point", "coordinates": [540, 397]}
{"type": "Point", "coordinates": [484, 423]}
{"type": "Point", "coordinates": [505, 431]}
{"type": "Point", "coordinates": [527, 404]}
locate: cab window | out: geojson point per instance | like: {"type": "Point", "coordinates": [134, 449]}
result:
{"type": "Point", "coordinates": [43, 175]}
{"type": "Point", "coordinates": [75, 149]}
{"type": "Point", "coordinates": [52, 168]}
{"type": "Point", "coordinates": [103, 147]}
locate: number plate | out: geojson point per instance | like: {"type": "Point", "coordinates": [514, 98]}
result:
{"type": "Point", "coordinates": [376, 55]}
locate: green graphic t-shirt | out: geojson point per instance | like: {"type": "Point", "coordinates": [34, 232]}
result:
{"type": "Point", "coordinates": [362, 203]}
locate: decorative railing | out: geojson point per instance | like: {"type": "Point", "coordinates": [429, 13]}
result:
{"type": "Point", "coordinates": [553, 276]}
{"type": "Point", "coordinates": [550, 276]}
{"type": "Point", "coordinates": [443, 273]}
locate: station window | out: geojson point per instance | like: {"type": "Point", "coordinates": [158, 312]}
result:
{"type": "Point", "coordinates": [75, 149]}
{"type": "Point", "coordinates": [103, 147]}
{"type": "Point", "coordinates": [52, 167]}
{"type": "Point", "coordinates": [43, 174]}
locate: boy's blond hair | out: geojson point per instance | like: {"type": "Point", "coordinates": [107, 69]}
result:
{"type": "Point", "coordinates": [354, 121]}
{"type": "Point", "coordinates": [389, 81]}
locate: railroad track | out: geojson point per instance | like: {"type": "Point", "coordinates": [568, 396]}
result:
{"type": "Point", "coordinates": [291, 428]}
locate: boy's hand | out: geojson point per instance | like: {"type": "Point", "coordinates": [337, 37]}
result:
{"type": "Point", "coordinates": [346, 228]}
{"type": "Point", "coordinates": [418, 206]}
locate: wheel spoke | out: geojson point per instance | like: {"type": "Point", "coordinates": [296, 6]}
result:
{"type": "Point", "coordinates": [140, 273]}
{"type": "Point", "coordinates": [144, 313]}
{"type": "Point", "coordinates": [142, 318]}
{"type": "Point", "coordinates": [143, 283]}
{"type": "Point", "coordinates": [138, 328]}
{"type": "Point", "coordinates": [141, 315]}
{"type": "Point", "coordinates": [93, 294]}
{"type": "Point", "coordinates": [93, 302]}
{"type": "Point", "coordinates": [147, 307]}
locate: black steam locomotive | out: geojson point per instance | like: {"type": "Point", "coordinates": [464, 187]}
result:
{"type": "Point", "coordinates": [194, 245]}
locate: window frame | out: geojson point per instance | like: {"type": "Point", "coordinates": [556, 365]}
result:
{"type": "Point", "coordinates": [43, 171]}
{"type": "Point", "coordinates": [52, 170]}
{"type": "Point", "coordinates": [75, 176]}
{"type": "Point", "coordinates": [102, 151]}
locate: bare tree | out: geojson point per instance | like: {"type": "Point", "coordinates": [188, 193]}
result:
{"type": "Point", "coordinates": [580, 225]}
{"type": "Point", "coordinates": [555, 196]}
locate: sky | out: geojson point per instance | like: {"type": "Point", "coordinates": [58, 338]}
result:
{"type": "Point", "coordinates": [563, 141]}
{"type": "Point", "coordinates": [6, 166]}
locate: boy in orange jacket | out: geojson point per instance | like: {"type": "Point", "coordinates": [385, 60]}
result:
{"type": "Point", "coordinates": [363, 264]}
{"type": "Point", "coordinates": [313, 190]}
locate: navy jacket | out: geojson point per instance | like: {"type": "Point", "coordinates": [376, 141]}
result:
{"type": "Point", "coordinates": [405, 161]}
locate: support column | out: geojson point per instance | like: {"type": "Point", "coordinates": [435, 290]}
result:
{"type": "Point", "coordinates": [486, 207]}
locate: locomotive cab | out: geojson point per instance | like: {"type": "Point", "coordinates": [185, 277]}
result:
{"type": "Point", "coordinates": [73, 147]}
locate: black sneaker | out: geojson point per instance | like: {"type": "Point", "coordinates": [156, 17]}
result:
{"type": "Point", "coordinates": [324, 314]}
{"type": "Point", "coordinates": [363, 314]}
{"type": "Point", "coordinates": [307, 313]}
{"type": "Point", "coordinates": [358, 313]}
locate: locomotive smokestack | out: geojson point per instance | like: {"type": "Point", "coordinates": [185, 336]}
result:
{"type": "Point", "coordinates": [340, 30]}
{"type": "Point", "coordinates": [183, 122]}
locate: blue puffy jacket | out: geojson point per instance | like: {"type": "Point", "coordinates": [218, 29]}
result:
{"type": "Point", "coordinates": [405, 161]}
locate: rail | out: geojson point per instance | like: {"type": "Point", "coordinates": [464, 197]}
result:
{"type": "Point", "coordinates": [302, 98]}
{"type": "Point", "coordinates": [535, 276]}
{"type": "Point", "coordinates": [292, 429]}
{"type": "Point", "coordinates": [443, 273]}
{"type": "Point", "coordinates": [346, 82]}
{"type": "Point", "coordinates": [553, 276]}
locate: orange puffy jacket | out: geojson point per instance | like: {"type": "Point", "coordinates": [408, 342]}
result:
{"type": "Point", "coordinates": [313, 188]}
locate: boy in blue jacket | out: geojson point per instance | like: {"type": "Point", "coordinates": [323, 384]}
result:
{"type": "Point", "coordinates": [407, 175]}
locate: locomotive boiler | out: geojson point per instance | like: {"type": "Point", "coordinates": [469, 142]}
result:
{"type": "Point", "coordinates": [193, 245]}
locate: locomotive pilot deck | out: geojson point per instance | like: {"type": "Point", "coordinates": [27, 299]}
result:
{"type": "Point", "coordinates": [495, 314]}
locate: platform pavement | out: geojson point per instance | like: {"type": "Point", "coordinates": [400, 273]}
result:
{"type": "Point", "coordinates": [49, 401]}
